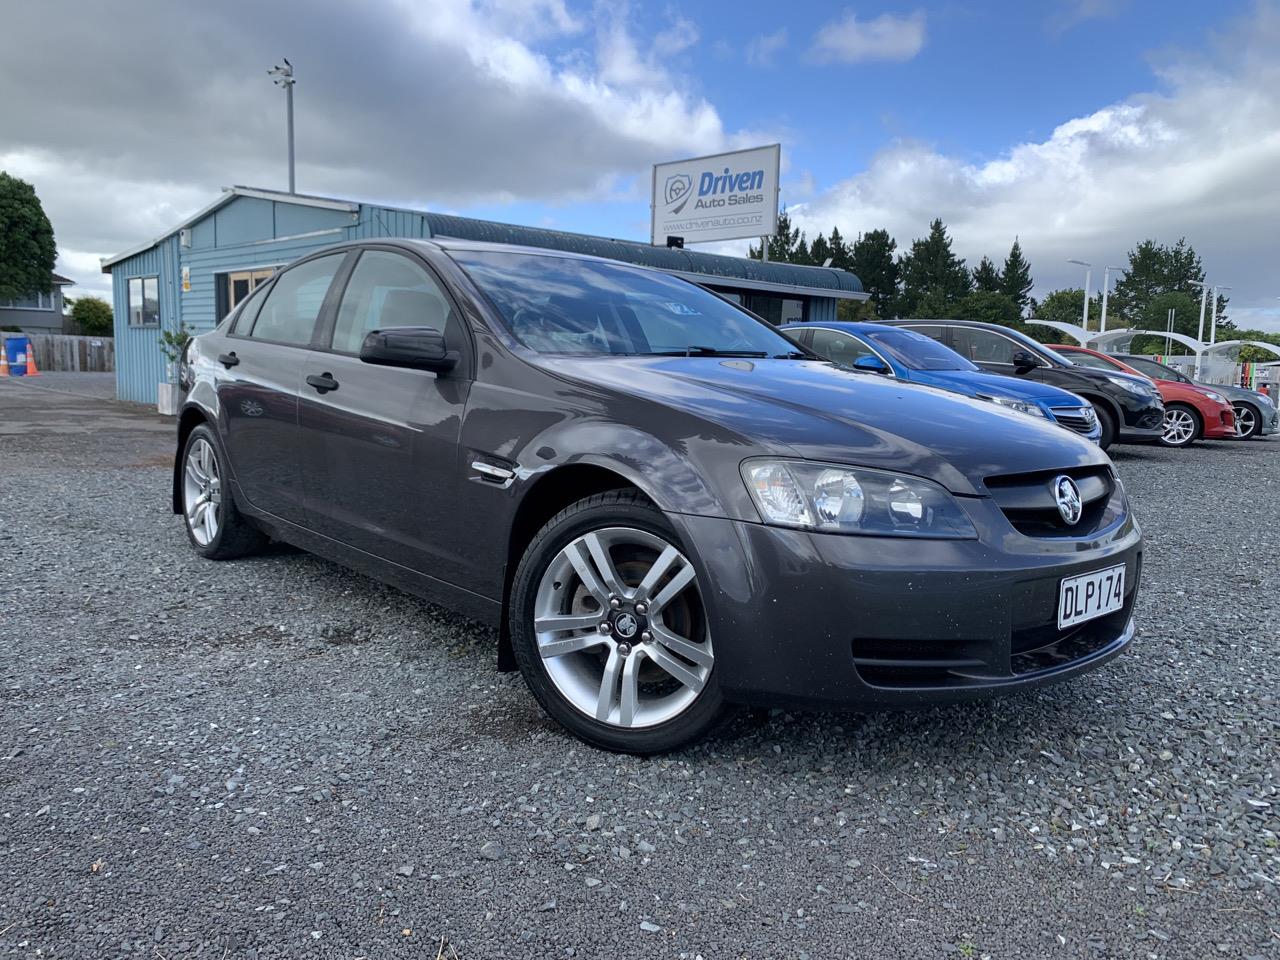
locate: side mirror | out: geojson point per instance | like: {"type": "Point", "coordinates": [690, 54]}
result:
{"type": "Point", "coordinates": [1024, 361]}
{"type": "Point", "coordinates": [871, 363]}
{"type": "Point", "coordinates": [420, 348]}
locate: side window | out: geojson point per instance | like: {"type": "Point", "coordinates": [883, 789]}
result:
{"type": "Point", "coordinates": [982, 346]}
{"type": "Point", "coordinates": [840, 347]}
{"type": "Point", "coordinates": [248, 313]}
{"type": "Point", "coordinates": [390, 290]}
{"type": "Point", "coordinates": [289, 313]}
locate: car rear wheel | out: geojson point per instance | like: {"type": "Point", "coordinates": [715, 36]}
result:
{"type": "Point", "coordinates": [609, 628]}
{"type": "Point", "coordinates": [217, 530]}
{"type": "Point", "coordinates": [1182, 426]}
{"type": "Point", "coordinates": [1107, 423]}
{"type": "Point", "coordinates": [1248, 421]}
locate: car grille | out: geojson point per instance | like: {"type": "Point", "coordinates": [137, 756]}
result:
{"type": "Point", "coordinates": [1080, 419]}
{"type": "Point", "coordinates": [1027, 500]}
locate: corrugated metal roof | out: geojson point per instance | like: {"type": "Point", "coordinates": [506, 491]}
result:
{"type": "Point", "coordinates": [737, 271]}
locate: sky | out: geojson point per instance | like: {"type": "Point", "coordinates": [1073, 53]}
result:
{"type": "Point", "coordinates": [1078, 126]}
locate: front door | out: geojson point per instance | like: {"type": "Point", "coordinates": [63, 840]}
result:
{"type": "Point", "coordinates": [383, 465]}
{"type": "Point", "coordinates": [258, 398]}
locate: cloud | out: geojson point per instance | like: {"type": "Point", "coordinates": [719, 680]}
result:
{"type": "Point", "coordinates": [1072, 13]}
{"type": "Point", "coordinates": [1199, 158]}
{"type": "Point", "coordinates": [886, 37]}
{"type": "Point", "coordinates": [456, 103]}
{"type": "Point", "coordinates": [761, 50]}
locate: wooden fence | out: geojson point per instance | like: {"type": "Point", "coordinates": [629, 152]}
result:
{"type": "Point", "coordinates": [82, 354]}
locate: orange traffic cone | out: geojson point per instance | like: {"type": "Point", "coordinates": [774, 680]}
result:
{"type": "Point", "coordinates": [4, 360]}
{"type": "Point", "coordinates": [31, 361]}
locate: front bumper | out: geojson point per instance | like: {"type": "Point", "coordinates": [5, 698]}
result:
{"type": "Point", "coordinates": [1270, 422]}
{"type": "Point", "coordinates": [850, 622]}
{"type": "Point", "coordinates": [1142, 422]}
{"type": "Point", "coordinates": [1219, 423]}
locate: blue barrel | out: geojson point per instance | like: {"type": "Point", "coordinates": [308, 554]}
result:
{"type": "Point", "coordinates": [16, 349]}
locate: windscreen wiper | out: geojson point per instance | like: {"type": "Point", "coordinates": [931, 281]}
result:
{"type": "Point", "coordinates": [696, 350]}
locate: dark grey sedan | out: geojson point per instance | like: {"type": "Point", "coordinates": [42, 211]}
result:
{"type": "Point", "coordinates": [666, 508]}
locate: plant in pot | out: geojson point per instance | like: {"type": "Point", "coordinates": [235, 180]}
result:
{"type": "Point", "coordinates": [173, 344]}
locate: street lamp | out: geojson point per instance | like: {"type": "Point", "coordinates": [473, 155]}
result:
{"type": "Point", "coordinates": [284, 78]}
{"type": "Point", "coordinates": [1213, 327]}
{"type": "Point", "coordinates": [1088, 276]}
{"type": "Point", "coordinates": [1204, 296]}
{"type": "Point", "coordinates": [1106, 288]}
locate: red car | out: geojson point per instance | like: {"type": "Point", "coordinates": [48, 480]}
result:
{"type": "Point", "coordinates": [1191, 413]}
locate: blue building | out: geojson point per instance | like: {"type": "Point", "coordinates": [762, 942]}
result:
{"type": "Point", "coordinates": [197, 272]}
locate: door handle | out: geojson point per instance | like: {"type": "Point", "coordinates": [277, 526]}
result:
{"type": "Point", "coordinates": [323, 383]}
{"type": "Point", "coordinates": [228, 360]}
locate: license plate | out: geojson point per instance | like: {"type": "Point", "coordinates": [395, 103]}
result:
{"type": "Point", "coordinates": [1090, 595]}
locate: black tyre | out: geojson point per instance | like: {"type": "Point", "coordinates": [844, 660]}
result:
{"type": "Point", "coordinates": [1248, 421]}
{"type": "Point", "coordinates": [609, 629]}
{"type": "Point", "coordinates": [1107, 423]}
{"type": "Point", "coordinates": [217, 530]}
{"type": "Point", "coordinates": [1182, 425]}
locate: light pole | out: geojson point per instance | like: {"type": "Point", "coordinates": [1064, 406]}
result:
{"type": "Point", "coordinates": [1204, 297]}
{"type": "Point", "coordinates": [1213, 327]}
{"type": "Point", "coordinates": [1088, 277]}
{"type": "Point", "coordinates": [1106, 289]}
{"type": "Point", "coordinates": [284, 78]}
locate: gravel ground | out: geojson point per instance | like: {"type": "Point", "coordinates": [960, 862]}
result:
{"type": "Point", "coordinates": [279, 758]}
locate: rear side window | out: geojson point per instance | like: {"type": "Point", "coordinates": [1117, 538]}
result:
{"type": "Point", "coordinates": [983, 346]}
{"type": "Point", "coordinates": [249, 312]}
{"type": "Point", "coordinates": [390, 290]}
{"type": "Point", "coordinates": [840, 347]}
{"type": "Point", "coordinates": [289, 313]}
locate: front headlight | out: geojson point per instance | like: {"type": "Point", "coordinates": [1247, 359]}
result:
{"type": "Point", "coordinates": [1030, 409]}
{"type": "Point", "coordinates": [1266, 400]}
{"type": "Point", "coordinates": [1215, 397]}
{"type": "Point", "coordinates": [1132, 386]}
{"type": "Point", "coordinates": [835, 499]}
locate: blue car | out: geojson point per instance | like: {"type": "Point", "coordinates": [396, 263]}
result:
{"type": "Point", "coordinates": [911, 356]}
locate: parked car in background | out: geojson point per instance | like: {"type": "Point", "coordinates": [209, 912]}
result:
{"type": "Point", "coordinates": [907, 355]}
{"type": "Point", "coordinates": [1191, 412]}
{"type": "Point", "coordinates": [1129, 408]}
{"type": "Point", "coordinates": [1255, 413]}
{"type": "Point", "coordinates": [665, 506]}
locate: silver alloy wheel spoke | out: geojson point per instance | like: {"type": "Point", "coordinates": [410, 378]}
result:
{"type": "Point", "coordinates": [1244, 421]}
{"type": "Point", "coordinates": [638, 661]}
{"type": "Point", "coordinates": [677, 644]}
{"type": "Point", "coordinates": [202, 492]}
{"type": "Point", "coordinates": [1179, 428]}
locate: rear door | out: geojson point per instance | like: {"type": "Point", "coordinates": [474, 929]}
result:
{"type": "Point", "coordinates": [383, 466]}
{"type": "Point", "coordinates": [264, 354]}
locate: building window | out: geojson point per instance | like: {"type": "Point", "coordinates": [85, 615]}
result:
{"type": "Point", "coordinates": [231, 289]}
{"type": "Point", "coordinates": [144, 301]}
{"type": "Point", "coordinates": [36, 301]}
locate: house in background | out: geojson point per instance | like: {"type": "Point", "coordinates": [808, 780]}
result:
{"type": "Point", "coordinates": [197, 272]}
{"type": "Point", "coordinates": [37, 313]}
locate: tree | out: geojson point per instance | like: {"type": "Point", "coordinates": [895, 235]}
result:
{"type": "Point", "coordinates": [1156, 269]}
{"type": "Point", "coordinates": [820, 251]}
{"type": "Point", "coordinates": [1065, 306]}
{"type": "Point", "coordinates": [784, 242]}
{"type": "Point", "coordinates": [92, 315]}
{"type": "Point", "coordinates": [27, 250]}
{"type": "Point", "coordinates": [840, 252]}
{"type": "Point", "coordinates": [989, 307]}
{"type": "Point", "coordinates": [934, 279]}
{"type": "Point", "coordinates": [986, 278]}
{"type": "Point", "coordinates": [1155, 316]}
{"type": "Point", "coordinates": [871, 260]}
{"type": "Point", "coordinates": [1015, 278]}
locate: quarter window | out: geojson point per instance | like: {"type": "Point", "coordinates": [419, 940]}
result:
{"type": "Point", "coordinates": [390, 290]}
{"type": "Point", "coordinates": [840, 347]}
{"type": "Point", "coordinates": [144, 301]}
{"type": "Point", "coordinates": [289, 313]}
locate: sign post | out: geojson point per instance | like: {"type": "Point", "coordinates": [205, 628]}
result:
{"type": "Point", "coordinates": [728, 196]}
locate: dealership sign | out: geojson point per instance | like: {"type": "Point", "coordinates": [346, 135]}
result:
{"type": "Point", "coordinates": [724, 197]}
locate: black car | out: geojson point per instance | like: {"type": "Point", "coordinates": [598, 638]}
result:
{"type": "Point", "coordinates": [665, 506]}
{"type": "Point", "coordinates": [1129, 408]}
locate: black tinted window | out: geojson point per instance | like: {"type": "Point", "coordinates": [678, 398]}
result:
{"type": "Point", "coordinates": [563, 305]}
{"type": "Point", "coordinates": [293, 304]}
{"type": "Point", "coordinates": [390, 290]}
{"type": "Point", "coordinates": [983, 346]}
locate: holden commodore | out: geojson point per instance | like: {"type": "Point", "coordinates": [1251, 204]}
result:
{"type": "Point", "coordinates": [667, 508]}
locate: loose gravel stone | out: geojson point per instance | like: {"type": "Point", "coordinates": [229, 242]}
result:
{"type": "Point", "coordinates": [255, 752]}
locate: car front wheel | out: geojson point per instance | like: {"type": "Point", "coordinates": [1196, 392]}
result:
{"type": "Point", "coordinates": [610, 631]}
{"type": "Point", "coordinates": [215, 527]}
{"type": "Point", "coordinates": [1181, 426]}
{"type": "Point", "coordinates": [1248, 421]}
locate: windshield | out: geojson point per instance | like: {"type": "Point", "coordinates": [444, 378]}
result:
{"type": "Point", "coordinates": [915, 350]}
{"type": "Point", "coordinates": [593, 308]}
{"type": "Point", "coordinates": [1156, 370]}
{"type": "Point", "coordinates": [1087, 360]}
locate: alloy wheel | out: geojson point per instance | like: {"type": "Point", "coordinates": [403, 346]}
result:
{"type": "Point", "coordinates": [1244, 421]}
{"type": "Point", "coordinates": [620, 628]}
{"type": "Point", "coordinates": [202, 492]}
{"type": "Point", "coordinates": [1179, 427]}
